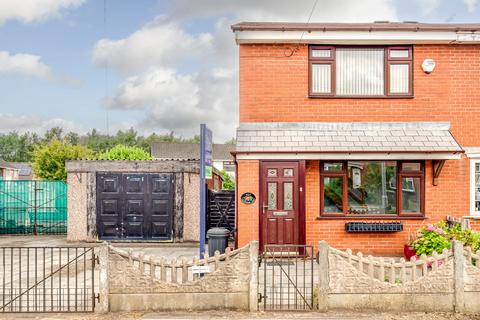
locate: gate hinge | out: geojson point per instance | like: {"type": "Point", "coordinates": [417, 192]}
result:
{"type": "Point", "coordinates": [260, 297]}
{"type": "Point", "coordinates": [97, 260]}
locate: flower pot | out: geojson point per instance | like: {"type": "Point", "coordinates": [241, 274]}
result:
{"type": "Point", "coordinates": [409, 252]}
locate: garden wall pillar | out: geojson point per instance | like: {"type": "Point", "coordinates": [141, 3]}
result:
{"type": "Point", "coordinates": [323, 276]}
{"type": "Point", "coordinates": [253, 298]}
{"type": "Point", "coordinates": [458, 276]}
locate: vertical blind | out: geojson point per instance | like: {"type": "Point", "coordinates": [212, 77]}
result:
{"type": "Point", "coordinates": [399, 79]}
{"type": "Point", "coordinates": [360, 71]}
{"type": "Point", "coordinates": [321, 78]}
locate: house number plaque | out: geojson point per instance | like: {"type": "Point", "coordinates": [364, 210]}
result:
{"type": "Point", "coordinates": [248, 198]}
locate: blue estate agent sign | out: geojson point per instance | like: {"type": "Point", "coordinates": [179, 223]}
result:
{"type": "Point", "coordinates": [205, 173]}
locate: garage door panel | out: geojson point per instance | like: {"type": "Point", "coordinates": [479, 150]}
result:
{"type": "Point", "coordinates": [135, 205]}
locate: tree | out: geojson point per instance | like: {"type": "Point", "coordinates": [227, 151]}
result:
{"type": "Point", "coordinates": [49, 158]}
{"type": "Point", "coordinates": [122, 152]}
{"type": "Point", "coordinates": [228, 183]}
{"type": "Point", "coordinates": [231, 141]}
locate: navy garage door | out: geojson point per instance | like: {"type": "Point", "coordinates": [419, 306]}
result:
{"type": "Point", "coordinates": [134, 206]}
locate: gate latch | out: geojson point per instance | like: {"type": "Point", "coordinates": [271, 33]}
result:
{"type": "Point", "coordinates": [97, 297]}
{"type": "Point", "coordinates": [260, 297]}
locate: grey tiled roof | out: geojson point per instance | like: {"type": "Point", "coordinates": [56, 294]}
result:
{"type": "Point", "coordinates": [346, 136]}
{"type": "Point", "coordinates": [191, 151]}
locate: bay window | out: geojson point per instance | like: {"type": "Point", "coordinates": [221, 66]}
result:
{"type": "Point", "coordinates": [360, 71]}
{"type": "Point", "coordinates": [359, 188]}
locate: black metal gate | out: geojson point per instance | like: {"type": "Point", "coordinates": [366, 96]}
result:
{"type": "Point", "coordinates": [134, 206]}
{"type": "Point", "coordinates": [47, 279]}
{"type": "Point", "coordinates": [221, 209]}
{"type": "Point", "coordinates": [285, 277]}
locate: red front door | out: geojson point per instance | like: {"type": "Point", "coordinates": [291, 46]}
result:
{"type": "Point", "coordinates": [280, 203]}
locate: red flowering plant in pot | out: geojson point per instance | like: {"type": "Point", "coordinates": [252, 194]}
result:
{"type": "Point", "coordinates": [431, 238]}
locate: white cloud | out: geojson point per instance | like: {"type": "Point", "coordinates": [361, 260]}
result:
{"type": "Point", "coordinates": [28, 11]}
{"type": "Point", "coordinates": [26, 64]}
{"type": "Point", "coordinates": [35, 123]}
{"type": "Point", "coordinates": [179, 101]}
{"type": "Point", "coordinates": [471, 5]}
{"type": "Point", "coordinates": [157, 43]}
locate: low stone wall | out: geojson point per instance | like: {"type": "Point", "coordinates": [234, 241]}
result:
{"type": "Point", "coordinates": [143, 283]}
{"type": "Point", "coordinates": [445, 282]}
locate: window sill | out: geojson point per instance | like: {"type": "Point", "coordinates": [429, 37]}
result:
{"type": "Point", "coordinates": [369, 217]}
{"type": "Point", "coordinates": [311, 96]}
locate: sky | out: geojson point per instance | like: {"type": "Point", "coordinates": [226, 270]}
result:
{"type": "Point", "coordinates": [154, 65]}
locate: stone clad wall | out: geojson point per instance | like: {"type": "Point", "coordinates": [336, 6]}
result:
{"type": "Point", "coordinates": [446, 282]}
{"type": "Point", "coordinates": [132, 287]}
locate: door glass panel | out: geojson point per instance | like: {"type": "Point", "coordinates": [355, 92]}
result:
{"type": "Point", "coordinates": [272, 173]}
{"type": "Point", "coordinates": [288, 172]}
{"type": "Point", "coordinates": [477, 187]}
{"type": "Point", "coordinates": [411, 194]}
{"type": "Point", "coordinates": [272, 196]}
{"type": "Point", "coordinates": [288, 196]}
{"type": "Point", "coordinates": [333, 191]}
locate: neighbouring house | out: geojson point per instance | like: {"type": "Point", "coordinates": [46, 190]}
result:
{"type": "Point", "coordinates": [356, 133]}
{"type": "Point", "coordinates": [222, 156]}
{"type": "Point", "coordinates": [25, 171]}
{"type": "Point", "coordinates": [134, 200]}
{"type": "Point", "coordinates": [8, 171]}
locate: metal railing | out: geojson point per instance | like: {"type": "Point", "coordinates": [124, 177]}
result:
{"type": "Point", "coordinates": [33, 207]}
{"type": "Point", "coordinates": [286, 277]}
{"type": "Point", "coordinates": [47, 279]}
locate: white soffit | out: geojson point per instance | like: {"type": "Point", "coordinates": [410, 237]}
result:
{"type": "Point", "coordinates": [472, 152]}
{"type": "Point", "coordinates": [356, 37]}
{"type": "Point", "coordinates": [349, 156]}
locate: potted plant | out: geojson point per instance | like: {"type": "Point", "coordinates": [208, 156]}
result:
{"type": "Point", "coordinates": [408, 250]}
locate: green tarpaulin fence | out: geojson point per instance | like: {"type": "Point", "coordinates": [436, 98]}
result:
{"type": "Point", "coordinates": [33, 207]}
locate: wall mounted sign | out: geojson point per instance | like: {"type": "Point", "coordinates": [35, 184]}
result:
{"type": "Point", "coordinates": [248, 198]}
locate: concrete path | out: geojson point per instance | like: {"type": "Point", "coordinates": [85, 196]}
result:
{"type": "Point", "coordinates": [217, 315]}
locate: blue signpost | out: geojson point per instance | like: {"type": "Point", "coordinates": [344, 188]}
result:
{"type": "Point", "coordinates": [205, 173]}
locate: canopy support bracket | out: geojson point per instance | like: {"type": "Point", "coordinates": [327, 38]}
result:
{"type": "Point", "coordinates": [437, 166]}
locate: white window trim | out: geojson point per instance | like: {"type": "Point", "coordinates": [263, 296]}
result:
{"type": "Point", "coordinates": [473, 212]}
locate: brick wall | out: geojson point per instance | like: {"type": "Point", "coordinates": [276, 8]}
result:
{"type": "Point", "coordinates": [274, 88]}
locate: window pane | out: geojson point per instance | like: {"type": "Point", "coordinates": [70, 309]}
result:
{"type": "Point", "coordinates": [411, 195]}
{"type": "Point", "coordinates": [332, 166]}
{"type": "Point", "coordinates": [321, 78]}
{"type": "Point", "coordinates": [272, 173]}
{"type": "Point", "coordinates": [360, 71]}
{"type": "Point", "coordinates": [287, 196]}
{"type": "Point", "coordinates": [477, 187]}
{"type": "Point", "coordinates": [402, 53]}
{"type": "Point", "coordinates": [272, 196]}
{"type": "Point", "coordinates": [411, 166]}
{"type": "Point", "coordinates": [321, 53]}
{"type": "Point", "coordinates": [333, 192]}
{"type": "Point", "coordinates": [372, 187]}
{"type": "Point", "coordinates": [288, 172]}
{"type": "Point", "coordinates": [399, 79]}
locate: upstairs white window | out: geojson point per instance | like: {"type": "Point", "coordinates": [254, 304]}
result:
{"type": "Point", "coordinates": [360, 71]}
{"type": "Point", "coordinates": [475, 187]}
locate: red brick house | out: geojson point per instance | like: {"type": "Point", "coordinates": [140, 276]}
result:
{"type": "Point", "coordinates": [340, 123]}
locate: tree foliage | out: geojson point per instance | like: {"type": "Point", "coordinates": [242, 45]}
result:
{"type": "Point", "coordinates": [122, 152]}
{"type": "Point", "coordinates": [228, 183]}
{"type": "Point", "coordinates": [49, 158]}
{"type": "Point", "coordinates": [19, 147]}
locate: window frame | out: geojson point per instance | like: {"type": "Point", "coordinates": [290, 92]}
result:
{"type": "Point", "coordinates": [473, 212]}
{"type": "Point", "coordinates": [387, 62]}
{"type": "Point", "coordinates": [400, 174]}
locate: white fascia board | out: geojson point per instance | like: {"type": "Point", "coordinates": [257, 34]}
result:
{"type": "Point", "coordinates": [355, 37]}
{"type": "Point", "coordinates": [472, 152]}
{"type": "Point", "coordinates": [349, 156]}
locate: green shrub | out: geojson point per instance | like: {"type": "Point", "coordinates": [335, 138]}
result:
{"type": "Point", "coordinates": [49, 158]}
{"type": "Point", "coordinates": [122, 152]}
{"type": "Point", "coordinates": [433, 238]}
{"type": "Point", "coordinates": [228, 183]}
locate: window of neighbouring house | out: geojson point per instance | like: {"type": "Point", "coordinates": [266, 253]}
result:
{"type": "Point", "coordinates": [360, 188]}
{"type": "Point", "coordinates": [475, 185]}
{"type": "Point", "coordinates": [360, 71]}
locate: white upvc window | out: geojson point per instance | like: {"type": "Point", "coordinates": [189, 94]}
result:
{"type": "Point", "coordinates": [475, 187]}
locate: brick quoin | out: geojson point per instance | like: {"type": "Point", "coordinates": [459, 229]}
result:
{"type": "Point", "coordinates": [274, 88]}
